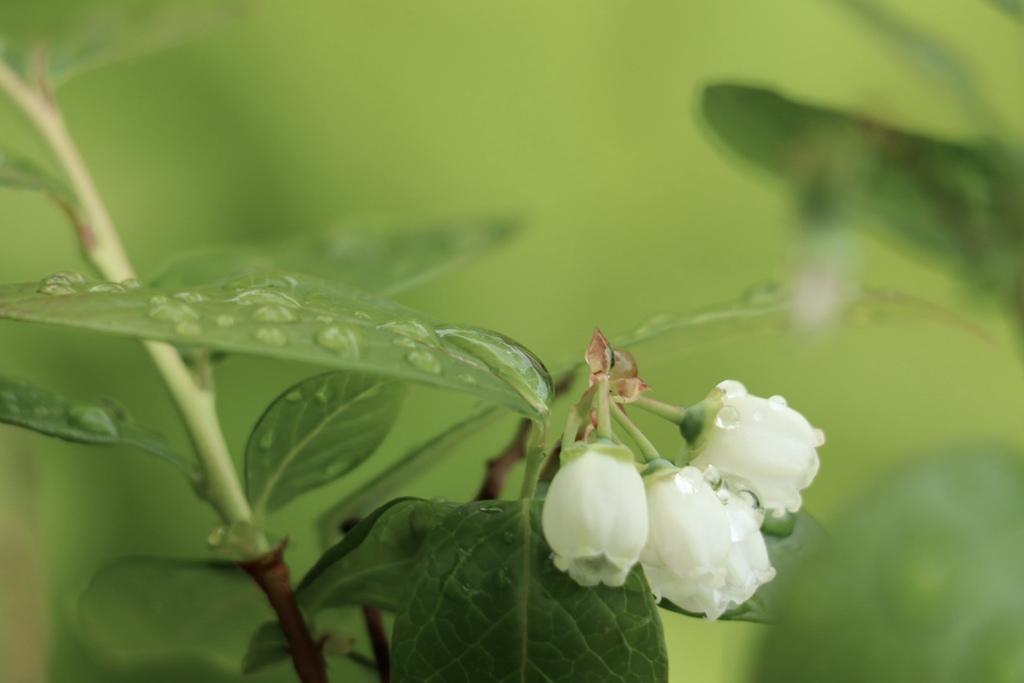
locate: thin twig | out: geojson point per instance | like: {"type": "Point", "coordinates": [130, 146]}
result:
{"type": "Point", "coordinates": [272, 576]}
{"type": "Point", "coordinates": [498, 468]}
{"type": "Point", "coordinates": [379, 641]}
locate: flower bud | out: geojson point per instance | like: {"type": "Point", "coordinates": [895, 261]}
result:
{"type": "Point", "coordinates": [595, 515]}
{"type": "Point", "coordinates": [761, 441]}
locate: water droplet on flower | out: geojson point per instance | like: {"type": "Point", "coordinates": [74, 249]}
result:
{"type": "Point", "coordinates": [341, 340]}
{"type": "Point", "coordinates": [274, 314]}
{"type": "Point", "coordinates": [425, 361]}
{"type": "Point", "coordinates": [271, 336]}
{"type": "Point", "coordinates": [819, 438]}
{"type": "Point", "coordinates": [189, 297]}
{"type": "Point", "coordinates": [188, 328]}
{"type": "Point", "coordinates": [55, 289]}
{"type": "Point", "coordinates": [93, 419]}
{"type": "Point", "coordinates": [777, 402]}
{"type": "Point", "coordinates": [732, 389]}
{"type": "Point", "coordinates": [131, 283]}
{"type": "Point", "coordinates": [171, 311]}
{"type": "Point", "coordinates": [225, 320]}
{"type": "Point", "coordinates": [758, 416]}
{"type": "Point", "coordinates": [712, 476]}
{"type": "Point", "coordinates": [728, 417]}
{"type": "Point", "coordinates": [107, 287]}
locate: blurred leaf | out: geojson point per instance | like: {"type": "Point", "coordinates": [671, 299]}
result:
{"type": "Point", "coordinates": [21, 174]}
{"type": "Point", "coordinates": [1015, 8]}
{"type": "Point", "coordinates": [485, 603]}
{"type": "Point", "coordinates": [803, 539]}
{"type": "Point", "coordinates": [416, 461]}
{"type": "Point", "coordinates": [957, 201]}
{"type": "Point", "coordinates": [361, 257]}
{"type": "Point", "coordinates": [935, 59]}
{"type": "Point", "coordinates": [267, 647]}
{"type": "Point", "coordinates": [332, 627]}
{"type": "Point", "coordinates": [371, 564]}
{"type": "Point", "coordinates": [142, 609]}
{"type": "Point", "coordinates": [119, 34]}
{"type": "Point", "coordinates": [316, 432]}
{"type": "Point", "coordinates": [46, 412]}
{"type": "Point", "coordinates": [295, 317]}
{"type": "Point", "coordinates": [921, 580]}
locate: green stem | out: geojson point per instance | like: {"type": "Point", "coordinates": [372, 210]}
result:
{"type": "Point", "coordinates": [604, 420]}
{"type": "Point", "coordinates": [665, 411]}
{"type": "Point", "coordinates": [535, 458]}
{"type": "Point", "coordinates": [102, 247]}
{"type": "Point", "coordinates": [647, 449]}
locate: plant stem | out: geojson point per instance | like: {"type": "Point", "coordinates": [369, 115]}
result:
{"type": "Point", "coordinates": [102, 247]}
{"type": "Point", "coordinates": [604, 420]}
{"type": "Point", "coordinates": [379, 641]}
{"type": "Point", "coordinates": [271, 574]}
{"type": "Point", "coordinates": [647, 449]}
{"type": "Point", "coordinates": [666, 411]}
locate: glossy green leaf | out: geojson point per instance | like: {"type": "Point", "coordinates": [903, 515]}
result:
{"type": "Point", "coordinates": [295, 317]}
{"type": "Point", "coordinates": [485, 603]}
{"type": "Point", "coordinates": [369, 258]}
{"type": "Point", "coordinates": [957, 201]}
{"type": "Point", "coordinates": [921, 580]}
{"type": "Point", "coordinates": [316, 432]}
{"type": "Point", "coordinates": [371, 564]}
{"type": "Point", "coordinates": [143, 609]}
{"type": "Point", "coordinates": [115, 35]}
{"type": "Point", "coordinates": [46, 412]}
{"type": "Point", "coordinates": [802, 540]}
{"type": "Point", "coordinates": [416, 461]}
{"type": "Point", "coordinates": [20, 174]}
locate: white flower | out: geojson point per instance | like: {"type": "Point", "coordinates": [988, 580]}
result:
{"type": "Point", "coordinates": [595, 516]}
{"type": "Point", "coordinates": [686, 556]}
{"type": "Point", "coordinates": [705, 551]}
{"type": "Point", "coordinates": [764, 442]}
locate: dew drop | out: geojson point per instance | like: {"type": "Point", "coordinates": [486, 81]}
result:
{"type": "Point", "coordinates": [491, 509]}
{"type": "Point", "coordinates": [55, 289]}
{"type": "Point", "coordinates": [425, 361]}
{"type": "Point", "coordinates": [131, 283]}
{"type": "Point", "coordinates": [777, 402]}
{"type": "Point", "coordinates": [188, 328]}
{"type": "Point", "coordinates": [274, 314]}
{"type": "Point", "coordinates": [712, 476]}
{"type": "Point", "coordinates": [819, 438]}
{"type": "Point", "coordinates": [728, 417]}
{"type": "Point", "coordinates": [107, 287]}
{"type": "Point", "coordinates": [157, 300]}
{"type": "Point", "coordinates": [65, 277]}
{"type": "Point", "coordinates": [225, 320]}
{"type": "Point", "coordinates": [732, 389]}
{"type": "Point", "coordinates": [93, 419]}
{"type": "Point", "coordinates": [265, 297]}
{"type": "Point", "coordinates": [271, 336]}
{"type": "Point", "coordinates": [172, 311]}
{"type": "Point", "coordinates": [344, 341]}
{"type": "Point", "coordinates": [189, 297]}
{"type": "Point", "coordinates": [293, 396]}
{"type": "Point", "coordinates": [411, 330]}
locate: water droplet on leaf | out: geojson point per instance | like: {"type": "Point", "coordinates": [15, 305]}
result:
{"type": "Point", "coordinates": [341, 340]}
{"type": "Point", "coordinates": [107, 287]}
{"type": "Point", "coordinates": [55, 289]}
{"type": "Point", "coordinates": [271, 336]}
{"type": "Point", "coordinates": [172, 311]}
{"type": "Point", "coordinates": [425, 361]}
{"type": "Point", "coordinates": [274, 314]}
{"type": "Point", "coordinates": [94, 419]}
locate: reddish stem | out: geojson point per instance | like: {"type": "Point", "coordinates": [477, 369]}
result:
{"type": "Point", "coordinates": [379, 641]}
{"type": "Point", "coordinates": [272, 576]}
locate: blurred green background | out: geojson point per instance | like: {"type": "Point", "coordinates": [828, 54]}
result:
{"type": "Point", "coordinates": [579, 116]}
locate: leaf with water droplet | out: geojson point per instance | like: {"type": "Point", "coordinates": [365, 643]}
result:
{"type": "Point", "coordinates": [385, 259]}
{"type": "Point", "coordinates": [46, 412]}
{"type": "Point", "coordinates": [361, 335]}
{"type": "Point", "coordinates": [371, 564]}
{"type": "Point", "coordinates": [302, 442]}
{"type": "Point", "coordinates": [477, 608]}
{"type": "Point", "coordinates": [145, 610]}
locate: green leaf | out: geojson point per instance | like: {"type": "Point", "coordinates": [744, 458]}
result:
{"type": "Point", "coordinates": [29, 407]}
{"type": "Point", "coordinates": [267, 647]}
{"type": "Point", "coordinates": [359, 255]}
{"type": "Point", "coordinates": [100, 38]}
{"type": "Point", "coordinates": [316, 432]}
{"type": "Point", "coordinates": [143, 609]}
{"type": "Point", "coordinates": [802, 540]}
{"type": "Point", "coordinates": [1015, 8]}
{"type": "Point", "coordinates": [296, 317]}
{"type": "Point", "coordinates": [485, 603]}
{"type": "Point", "coordinates": [20, 174]}
{"type": "Point", "coordinates": [415, 462]}
{"type": "Point", "coordinates": [921, 580]}
{"type": "Point", "coordinates": [956, 201]}
{"type": "Point", "coordinates": [371, 564]}
{"type": "Point", "coordinates": [333, 628]}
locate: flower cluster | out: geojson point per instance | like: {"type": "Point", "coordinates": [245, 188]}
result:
{"type": "Point", "coordinates": [694, 528]}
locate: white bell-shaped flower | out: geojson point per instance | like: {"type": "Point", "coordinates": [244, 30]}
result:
{"type": "Point", "coordinates": [763, 441]}
{"type": "Point", "coordinates": [748, 565]}
{"type": "Point", "coordinates": [595, 514]}
{"type": "Point", "coordinates": [687, 552]}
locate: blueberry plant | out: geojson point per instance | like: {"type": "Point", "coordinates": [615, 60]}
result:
{"type": "Point", "coordinates": [563, 582]}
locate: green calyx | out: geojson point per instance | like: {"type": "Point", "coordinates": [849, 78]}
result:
{"type": "Point", "coordinates": [698, 421]}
